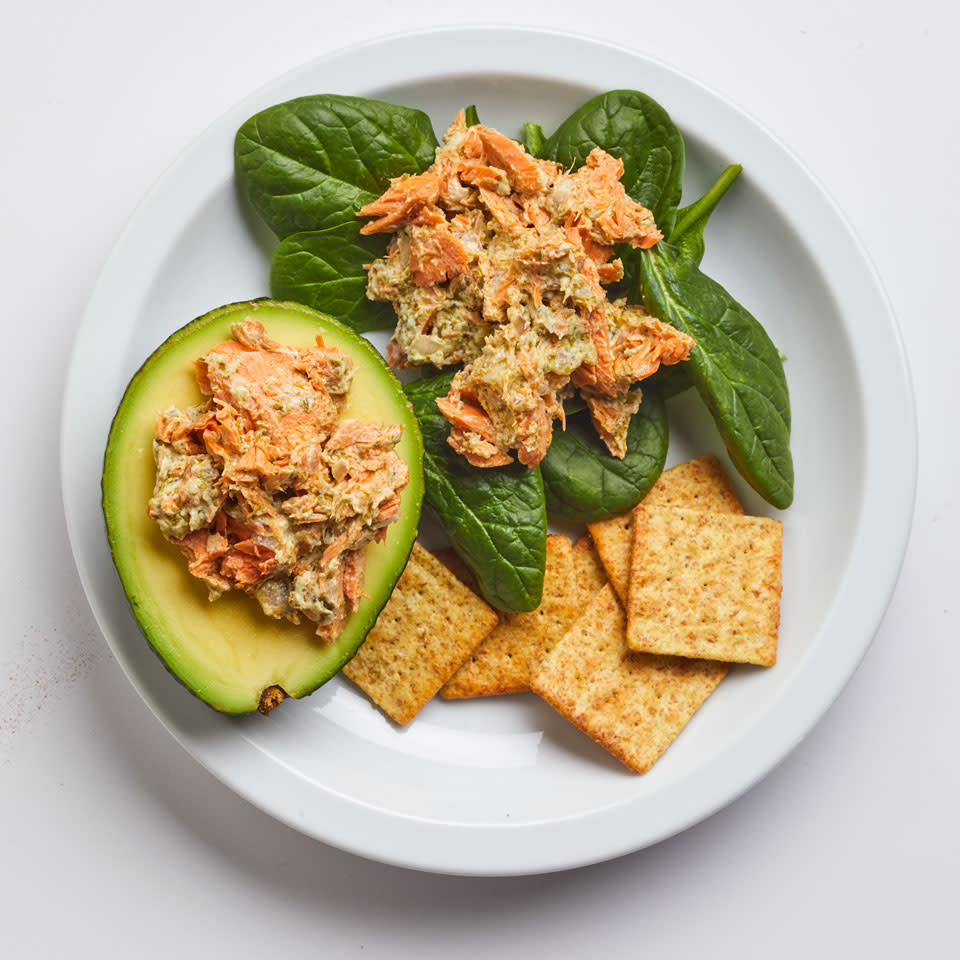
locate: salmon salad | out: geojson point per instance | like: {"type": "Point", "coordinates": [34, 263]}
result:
{"type": "Point", "coordinates": [497, 264]}
{"type": "Point", "coordinates": [267, 488]}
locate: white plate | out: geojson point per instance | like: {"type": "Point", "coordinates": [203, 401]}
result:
{"type": "Point", "coordinates": [506, 786]}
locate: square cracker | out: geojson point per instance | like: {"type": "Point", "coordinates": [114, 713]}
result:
{"type": "Point", "coordinates": [632, 704]}
{"type": "Point", "coordinates": [501, 664]}
{"type": "Point", "coordinates": [613, 540]}
{"type": "Point", "coordinates": [705, 585]}
{"type": "Point", "coordinates": [426, 630]}
{"type": "Point", "coordinates": [700, 484]}
{"type": "Point", "coordinates": [589, 575]}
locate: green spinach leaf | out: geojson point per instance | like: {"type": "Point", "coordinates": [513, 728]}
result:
{"type": "Point", "coordinates": [324, 270]}
{"type": "Point", "coordinates": [471, 116]}
{"type": "Point", "coordinates": [687, 235]}
{"type": "Point", "coordinates": [671, 380]}
{"type": "Point", "coordinates": [496, 518]}
{"type": "Point", "coordinates": [636, 129]}
{"type": "Point", "coordinates": [584, 481]}
{"type": "Point", "coordinates": [311, 163]}
{"type": "Point", "coordinates": [735, 367]}
{"type": "Point", "coordinates": [533, 138]}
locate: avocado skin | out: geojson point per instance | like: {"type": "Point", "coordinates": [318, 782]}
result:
{"type": "Point", "coordinates": [227, 652]}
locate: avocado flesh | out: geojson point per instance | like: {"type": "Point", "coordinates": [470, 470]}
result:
{"type": "Point", "coordinates": [227, 651]}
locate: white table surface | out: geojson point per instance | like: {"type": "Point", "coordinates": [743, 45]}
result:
{"type": "Point", "coordinates": [115, 842]}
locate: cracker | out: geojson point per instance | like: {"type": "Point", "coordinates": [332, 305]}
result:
{"type": "Point", "coordinates": [613, 539]}
{"type": "Point", "coordinates": [700, 484]}
{"type": "Point", "coordinates": [426, 630]}
{"type": "Point", "coordinates": [589, 575]}
{"type": "Point", "coordinates": [705, 585]}
{"type": "Point", "coordinates": [501, 664]}
{"type": "Point", "coordinates": [632, 704]}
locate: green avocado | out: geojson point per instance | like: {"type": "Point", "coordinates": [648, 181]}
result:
{"type": "Point", "coordinates": [228, 652]}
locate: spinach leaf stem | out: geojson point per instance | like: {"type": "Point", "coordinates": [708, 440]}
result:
{"type": "Point", "coordinates": [690, 216]}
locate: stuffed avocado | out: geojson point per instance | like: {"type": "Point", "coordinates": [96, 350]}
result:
{"type": "Point", "coordinates": [228, 652]}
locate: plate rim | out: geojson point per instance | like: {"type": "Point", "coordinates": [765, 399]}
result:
{"type": "Point", "coordinates": [467, 849]}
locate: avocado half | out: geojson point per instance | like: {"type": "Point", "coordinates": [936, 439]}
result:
{"type": "Point", "coordinates": [227, 651]}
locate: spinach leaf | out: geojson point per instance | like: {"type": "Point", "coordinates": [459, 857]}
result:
{"type": "Point", "coordinates": [687, 235]}
{"type": "Point", "coordinates": [533, 138]}
{"type": "Point", "coordinates": [471, 115]}
{"type": "Point", "coordinates": [636, 129]}
{"type": "Point", "coordinates": [735, 367]}
{"type": "Point", "coordinates": [584, 481]}
{"type": "Point", "coordinates": [324, 270]}
{"type": "Point", "coordinates": [671, 380]}
{"type": "Point", "coordinates": [495, 517]}
{"type": "Point", "coordinates": [312, 162]}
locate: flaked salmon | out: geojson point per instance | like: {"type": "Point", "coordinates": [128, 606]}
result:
{"type": "Point", "coordinates": [267, 488]}
{"type": "Point", "coordinates": [498, 262]}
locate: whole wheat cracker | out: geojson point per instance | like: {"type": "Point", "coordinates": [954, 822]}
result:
{"type": "Point", "coordinates": [589, 575]}
{"type": "Point", "coordinates": [501, 664]}
{"type": "Point", "coordinates": [426, 630]}
{"type": "Point", "coordinates": [705, 585]}
{"type": "Point", "coordinates": [632, 704]}
{"type": "Point", "coordinates": [613, 541]}
{"type": "Point", "coordinates": [700, 484]}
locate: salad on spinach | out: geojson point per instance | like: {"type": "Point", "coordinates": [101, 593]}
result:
{"type": "Point", "coordinates": [309, 165]}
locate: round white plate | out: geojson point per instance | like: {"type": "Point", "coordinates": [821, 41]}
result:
{"type": "Point", "coordinates": [505, 785]}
